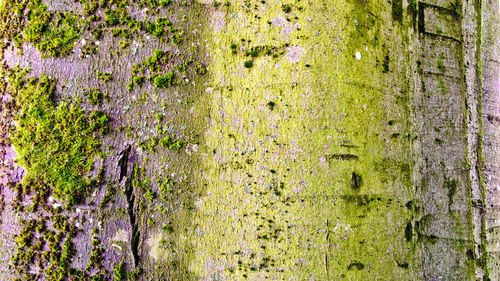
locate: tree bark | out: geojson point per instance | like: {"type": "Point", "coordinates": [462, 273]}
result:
{"type": "Point", "coordinates": [328, 140]}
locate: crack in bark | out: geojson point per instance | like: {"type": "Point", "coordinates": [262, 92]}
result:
{"type": "Point", "coordinates": [134, 243]}
{"type": "Point", "coordinates": [123, 162]}
{"type": "Point", "coordinates": [129, 193]}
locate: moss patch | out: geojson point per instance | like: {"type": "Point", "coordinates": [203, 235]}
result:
{"type": "Point", "coordinates": [52, 33]}
{"type": "Point", "coordinates": [56, 142]}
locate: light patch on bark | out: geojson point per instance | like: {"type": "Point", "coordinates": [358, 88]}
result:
{"type": "Point", "coordinates": [121, 235]}
{"type": "Point", "coordinates": [295, 54]}
{"type": "Point", "coordinates": [156, 249]}
{"type": "Point", "coordinates": [218, 21]}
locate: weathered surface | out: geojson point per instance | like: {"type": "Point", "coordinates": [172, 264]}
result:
{"type": "Point", "coordinates": [329, 140]}
{"type": "Point", "coordinates": [491, 93]}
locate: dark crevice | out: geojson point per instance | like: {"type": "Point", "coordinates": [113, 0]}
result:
{"type": "Point", "coordinates": [408, 232]}
{"type": "Point", "coordinates": [355, 265]}
{"type": "Point", "coordinates": [342, 157]}
{"type": "Point", "coordinates": [411, 9]}
{"type": "Point", "coordinates": [123, 162]}
{"type": "Point", "coordinates": [356, 180]}
{"type": "Point", "coordinates": [134, 243]}
{"type": "Point", "coordinates": [421, 19]}
{"type": "Point", "coordinates": [397, 11]}
{"type": "Point", "coordinates": [129, 193]}
{"type": "Point", "coordinates": [403, 265]}
{"type": "Point", "coordinates": [441, 36]}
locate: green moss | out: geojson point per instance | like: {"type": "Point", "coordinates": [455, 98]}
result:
{"type": "Point", "coordinates": [89, 7]}
{"type": "Point", "coordinates": [97, 34]}
{"type": "Point", "coordinates": [104, 76]}
{"type": "Point", "coordinates": [150, 194]}
{"type": "Point", "coordinates": [96, 254]}
{"type": "Point", "coordinates": [253, 53]}
{"type": "Point", "coordinates": [107, 197]}
{"type": "Point", "coordinates": [138, 80]}
{"type": "Point", "coordinates": [286, 8]}
{"type": "Point", "coordinates": [89, 50]}
{"type": "Point", "coordinates": [124, 44]}
{"type": "Point", "coordinates": [177, 38]}
{"type": "Point", "coordinates": [161, 27]}
{"type": "Point", "coordinates": [52, 33]}
{"type": "Point", "coordinates": [165, 186]}
{"type": "Point", "coordinates": [168, 228]}
{"type": "Point", "coordinates": [164, 81]}
{"type": "Point", "coordinates": [95, 96]}
{"type": "Point", "coordinates": [111, 17]}
{"type": "Point", "coordinates": [56, 143]}
{"type": "Point", "coordinates": [159, 117]}
{"type": "Point", "coordinates": [440, 65]}
{"type": "Point", "coordinates": [200, 69]}
{"type": "Point", "coordinates": [119, 272]}
{"type": "Point", "coordinates": [443, 86]}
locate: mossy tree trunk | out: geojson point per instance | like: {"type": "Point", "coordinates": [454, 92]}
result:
{"type": "Point", "coordinates": [328, 140]}
{"type": "Point", "coordinates": [357, 154]}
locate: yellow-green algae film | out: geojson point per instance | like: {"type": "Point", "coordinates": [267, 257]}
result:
{"type": "Point", "coordinates": [307, 170]}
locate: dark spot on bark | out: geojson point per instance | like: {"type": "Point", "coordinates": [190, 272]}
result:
{"type": "Point", "coordinates": [342, 157]}
{"type": "Point", "coordinates": [386, 64]}
{"type": "Point", "coordinates": [409, 205]}
{"type": "Point", "coordinates": [411, 10]}
{"type": "Point", "coordinates": [356, 181]}
{"type": "Point", "coordinates": [397, 11]}
{"type": "Point", "coordinates": [355, 265]}
{"type": "Point", "coordinates": [420, 21]}
{"type": "Point", "coordinates": [360, 200]}
{"type": "Point", "coordinates": [470, 254]}
{"type": "Point", "coordinates": [451, 185]}
{"type": "Point", "coordinates": [402, 264]}
{"type": "Point", "coordinates": [271, 105]}
{"type": "Point", "coordinates": [408, 232]}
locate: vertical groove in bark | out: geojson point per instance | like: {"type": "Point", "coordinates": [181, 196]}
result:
{"type": "Point", "coordinates": [472, 70]}
{"type": "Point", "coordinates": [123, 164]}
{"type": "Point", "coordinates": [490, 57]}
{"type": "Point", "coordinates": [135, 235]}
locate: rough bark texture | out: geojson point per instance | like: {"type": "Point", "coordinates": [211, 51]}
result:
{"type": "Point", "coordinates": [354, 150]}
{"type": "Point", "coordinates": [491, 93]}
